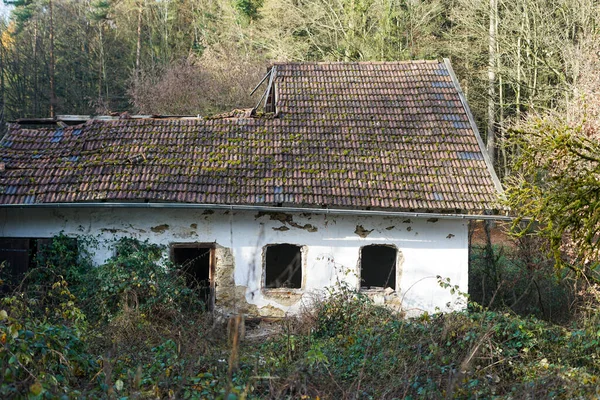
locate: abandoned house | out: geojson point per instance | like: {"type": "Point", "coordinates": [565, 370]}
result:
{"type": "Point", "coordinates": [363, 173]}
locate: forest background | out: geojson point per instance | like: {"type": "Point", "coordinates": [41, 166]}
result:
{"type": "Point", "coordinates": [198, 57]}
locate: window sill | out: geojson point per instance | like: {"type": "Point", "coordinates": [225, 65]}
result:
{"type": "Point", "coordinates": [284, 296]}
{"type": "Point", "coordinates": [378, 290]}
{"type": "Point", "coordinates": [283, 291]}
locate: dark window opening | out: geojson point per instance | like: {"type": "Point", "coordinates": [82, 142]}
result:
{"type": "Point", "coordinates": [378, 267]}
{"type": "Point", "coordinates": [19, 255]}
{"type": "Point", "coordinates": [283, 266]}
{"type": "Point", "coordinates": [195, 263]}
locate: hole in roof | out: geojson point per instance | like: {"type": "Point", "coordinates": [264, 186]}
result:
{"type": "Point", "coordinates": [470, 155]}
{"type": "Point", "coordinates": [58, 134]}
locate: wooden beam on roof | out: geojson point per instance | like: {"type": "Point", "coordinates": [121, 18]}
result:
{"type": "Point", "coordinates": [261, 82]}
{"type": "Point", "coordinates": [268, 91]}
{"type": "Point", "coordinates": [73, 118]}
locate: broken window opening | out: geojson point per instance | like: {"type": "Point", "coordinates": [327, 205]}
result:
{"type": "Point", "coordinates": [19, 255]}
{"type": "Point", "coordinates": [378, 267]}
{"type": "Point", "coordinates": [196, 264]}
{"type": "Point", "coordinates": [16, 256]}
{"type": "Point", "coordinates": [283, 266]}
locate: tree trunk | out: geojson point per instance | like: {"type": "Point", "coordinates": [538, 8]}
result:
{"type": "Point", "coordinates": [52, 88]}
{"type": "Point", "coordinates": [138, 50]}
{"type": "Point", "coordinates": [491, 145]}
{"type": "Point", "coordinates": [36, 97]}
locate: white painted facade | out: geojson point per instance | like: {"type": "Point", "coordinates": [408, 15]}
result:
{"type": "Point", "coordinates": [331, 252]}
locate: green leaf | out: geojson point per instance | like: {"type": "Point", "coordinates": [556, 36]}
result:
{"type": "Point", "coordinates": [36, 388]}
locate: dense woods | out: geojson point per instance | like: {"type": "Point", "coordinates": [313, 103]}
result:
{"type": "Point", "coordinates": [95, 56]}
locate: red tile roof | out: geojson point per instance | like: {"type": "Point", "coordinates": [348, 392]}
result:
{"type": "Point", "coordinates": [346, 135]}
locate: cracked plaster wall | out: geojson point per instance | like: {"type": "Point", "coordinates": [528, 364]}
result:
{"type": "Point", "coordinates": [428, 248]}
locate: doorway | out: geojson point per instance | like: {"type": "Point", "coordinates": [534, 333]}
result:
{"type": "Point", "coordinates": [196, 263]}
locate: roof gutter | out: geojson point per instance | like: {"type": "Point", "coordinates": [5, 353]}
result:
{"type": "Point", "coordinates": [266, 209]}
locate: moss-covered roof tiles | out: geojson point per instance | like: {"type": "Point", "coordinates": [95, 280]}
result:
{"type": "Point", "coordinates": [346, 135]}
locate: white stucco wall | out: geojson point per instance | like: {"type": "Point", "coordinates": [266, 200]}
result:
{"type": "Point", "coordinates": [332, 251]}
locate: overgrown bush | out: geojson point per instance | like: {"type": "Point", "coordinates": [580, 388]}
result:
{"type": "Point", "coordinates": [148, 338]}
{"type": "Point", "coordinates": [43, 351]}
{"type": "Point", "coordinates": [481, 354]}
{"type": "Point", "coordinates": [521, 278]}
{"type": "Point", "coordinates": [346, 311]}
{"type": "Point", "coordinates": [138, 279]}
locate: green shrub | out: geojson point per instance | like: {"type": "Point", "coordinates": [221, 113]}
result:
{"type": "Point", "coordinates": [521, 279]}
{"type": "Point", "coordinates": [146, 339]}
{"type": "Point", "coordinates": [43, 352]}
{"type": "Point", "coordinates": [137, 278]}
{"type": "Point", "coordinates": [346, 311]}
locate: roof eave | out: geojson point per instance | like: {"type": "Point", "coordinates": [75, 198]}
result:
{"type": "Point", "coordinates": [257, 208]}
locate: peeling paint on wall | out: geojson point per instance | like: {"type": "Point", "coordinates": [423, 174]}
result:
{"type": "Point", "coordinates": [285, 297]}
{"type": "Point", "coordinates": [228, 296]}
{"type": "Point", "coordinates": [362, 232]}
{"type": "Point", "coordinates": [113, 230]}
{"type": "Point", "coordinates": [287, 219]}
{"type": "Point", "coordinates": [160, 228]}
{"type": "Point", "coordinates": [331, 255]}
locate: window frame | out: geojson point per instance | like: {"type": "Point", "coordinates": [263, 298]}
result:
{"type": "Point", "coordinates": [35, 246]}
{"type": "Point", "coordinates": [397, 264]}
{"type": "Point", "coordinates": [211, 246]}
{"type": "Point", "coordinates": [303, 249]}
